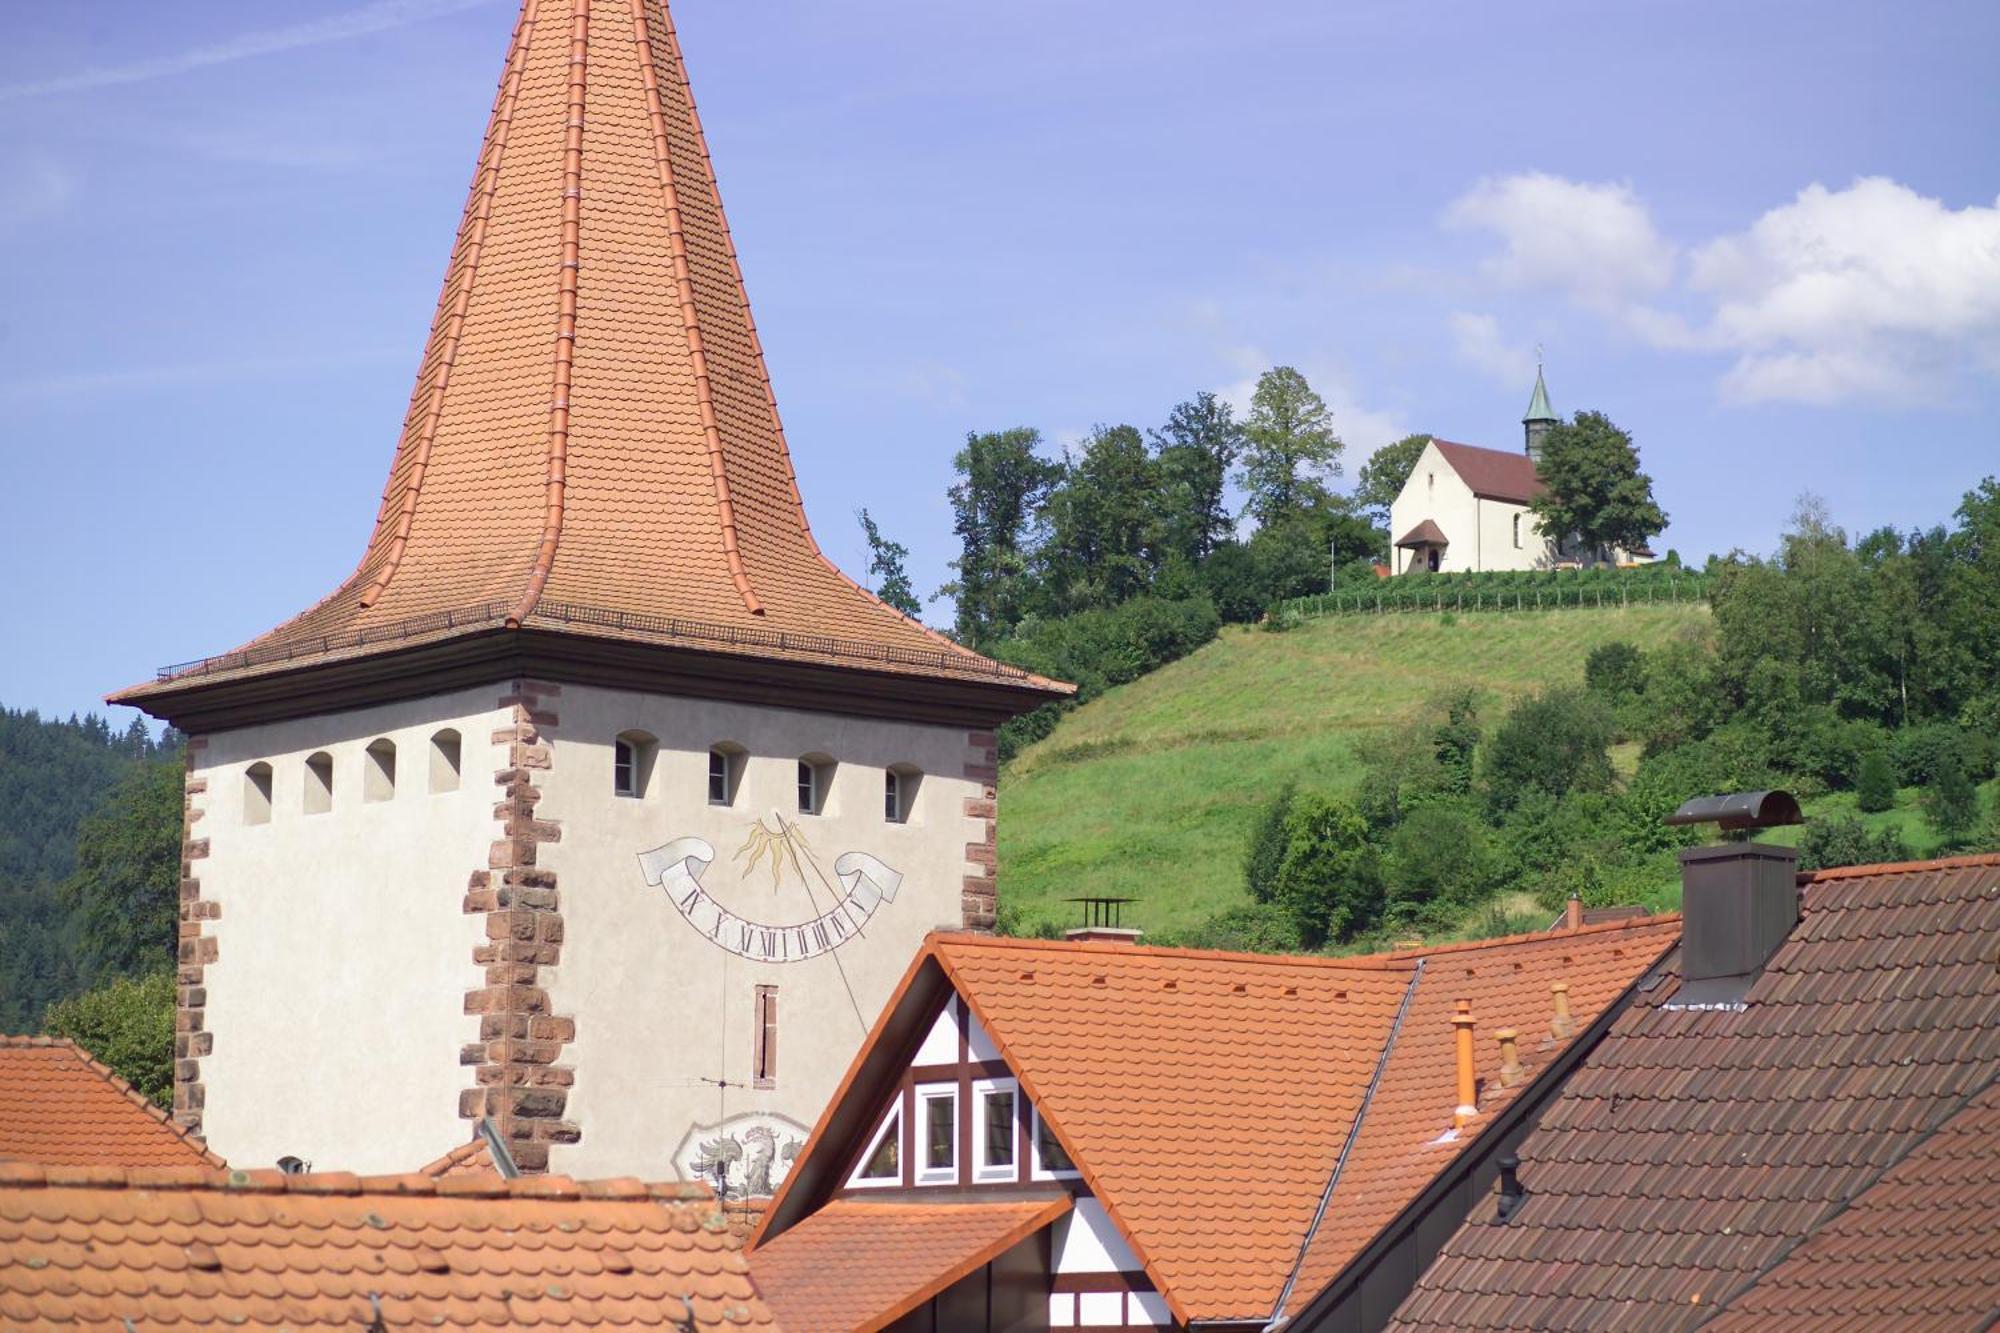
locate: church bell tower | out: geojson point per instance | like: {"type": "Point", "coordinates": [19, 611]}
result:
{"type": "Point", "coordinates": [596, 804]}
{"type": "Point", "coordinates": [1540, 417]}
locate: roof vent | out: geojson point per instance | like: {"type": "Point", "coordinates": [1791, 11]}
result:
{"type": "Point", "coordinates": [1739, 899]}
{"type": "Point", "coordinates": [1512, 1196]}
{"type": "Point", "coordinates": [1103, 921]}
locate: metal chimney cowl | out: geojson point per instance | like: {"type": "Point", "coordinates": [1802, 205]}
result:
{"type": "Point", "coordinates": [1738, 903]}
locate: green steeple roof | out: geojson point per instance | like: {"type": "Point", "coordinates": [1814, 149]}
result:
{"type": "Point", "coordinates": [1538, 406]}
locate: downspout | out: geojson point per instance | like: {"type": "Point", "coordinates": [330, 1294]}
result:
{"type": "Point", "coordinates": [1277, 1318]}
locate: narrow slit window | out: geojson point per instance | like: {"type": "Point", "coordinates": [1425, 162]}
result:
{"type": "Point", "coordinates": [378, 771]}
{"type": "Point", "coordinates": [764, 1057]}
{"type": "Point", "coordinates": [257, 794]}
{"type": "Point", "coordinates": [1517, 532]}
{"type": "Point", "coordinates": [632, 763]}
{"type": "Point", "coordinates": [319, 783]}
{"type": "Point", "coordinates": [445, 753]}
{"type": "Point", "coordinates": [725, 769]}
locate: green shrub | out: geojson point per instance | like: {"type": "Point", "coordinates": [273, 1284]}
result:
{"type": "Point", "coordinates": [1251, 928]}
{"type": "Point", "coordinates": [1846, 841]}
{"type": "Point", "coordinates": [1729, 760]}
{"type": "Point", "coordinates": [1266, 852]}
{"type": "Point", "coordinates": [1922, 752]}
{"type": "Point", "coordinates": [1616, 670]}
{"type": "Point", "coordinates": [1951, 801]}
{"type": "Point", "coordinates": [1875, 782]}
{"type": "Point", "coordinates": [1555, 742]}
{"type": "Point", "coordinates": [129, 1025]}
{"type": "Point", "coordinates": [1330, 881]}
{"type": "Point", "coordinates": [1440, 863]}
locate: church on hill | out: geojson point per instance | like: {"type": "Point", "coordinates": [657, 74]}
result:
{"type": "Point", "coordinates": [596, 811]}
{"type": "Point", "coordinates": [1466, 508]}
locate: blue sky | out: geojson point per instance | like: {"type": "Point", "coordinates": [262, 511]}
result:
{"type": "Point", "coordinates": [1763, 237]}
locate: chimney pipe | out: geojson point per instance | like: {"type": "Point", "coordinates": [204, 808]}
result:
{"type": "Point", "coordinates": [1573, 912]}
{"type": "Point", "coordinates": [1560, 1025]}
{"type": "Point", "coordinates": [1510, 1058]}
{"type": "Point", "coordinates": [1512, 1196]}
{"type": "Point", "coordinates": [1739, 900]}
{"type": "Point", "coordinates": [1468, 1086]}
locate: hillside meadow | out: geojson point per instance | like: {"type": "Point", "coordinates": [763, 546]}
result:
{"type": "Point", "coordinates": [1149, 791]}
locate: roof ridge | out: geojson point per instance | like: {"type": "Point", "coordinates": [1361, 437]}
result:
{"type": "Point", "coordinates": [1969, 861]}
{"type": "Point", "coordinates": [1358, 962]}
{"type": "Point", "coordinates": [711, 426]}
{"type": "Point", "coordinates": [1853, 1197]}
{"type": "Point", "coordinates": [556, 479]}
{"type": "Point", "coordinates": [485, 185]}
{"type": "Point", "coordinates": [344, 1184]}
{"type": "Point", "coordinates": [118, 1083]}
{"type": "Point", "coordinates": [1540, 936]}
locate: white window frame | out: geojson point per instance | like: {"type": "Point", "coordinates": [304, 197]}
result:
{"type": "Point", "coordinates": [625, 768]}
{"type": "Point", "coordinates": [890, 1123]}
{"type": "Point", "coordinates": [731, 772]}
{"type": "Point", "coordinates": [1038, 1171]}
{"type": "Point", "coordinates": [923, 1172]}
{"type": "Point", "coordinates": [815, 776]}
{"type": "Point", "coordinates": [983, 1170]}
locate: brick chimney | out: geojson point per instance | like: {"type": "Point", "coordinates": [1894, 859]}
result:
{"type": "Point", "coordinates": [1739, 900]}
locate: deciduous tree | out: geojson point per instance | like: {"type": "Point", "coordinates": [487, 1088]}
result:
{"type": "Point", "coordinates": [1002, 478]}
{"type": "Point", "coordinates": [1196, 448]}
{"type": "Point", "coordinates": [1290, 450]}
{"type": "Point", "coordinates": [1596, 492]}
{"type": "Point", "coordinates": [886, 567]}
{"type": "Point", "coordinates": [1384, 474]}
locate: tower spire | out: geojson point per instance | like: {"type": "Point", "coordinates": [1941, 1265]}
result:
{"type": "Point", "coordinates": [1540, 417]}
{"type": "Point", "coordinates": [592, 447]}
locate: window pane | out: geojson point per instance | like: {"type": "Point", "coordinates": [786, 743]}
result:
{"type": "Point", "coordinates": [718, 778]}
{"type": "Point", "coordinates": [885, 1163]}
{"type": "Point", "coordinates": [808, 793]}
{"type": "Point", "coordinates": [940, 1133]}
{"type": "Point", "coordinates": [1000, 1128]}
{"type": "Point", "coordinates": [892, 800]}
{"type": "Point", "coordinates": [621, 768]}
{"type": "Point", "coordinates": [1051, 1152]}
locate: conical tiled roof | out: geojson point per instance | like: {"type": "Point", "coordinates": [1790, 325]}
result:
{"type": "Point", "coordinates": [592, 447]}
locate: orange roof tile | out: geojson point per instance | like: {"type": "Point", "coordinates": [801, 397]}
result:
{"type": "Point", "coordinates": [1207, 1097]}
{"type": "Point", "coordinates": [60, 1107]}
{"type": "Point", "coordinates": [895, 1256]}
{"type": "Point", "coordinates": [168, 1248]}
{"type": "Point", "coordinates": [592, 446]}
{"type": "Point", "coordinates": [474, 1159]}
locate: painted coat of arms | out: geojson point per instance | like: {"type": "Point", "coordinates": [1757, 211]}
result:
{"type": "Point", "coordinates": [744, 1157]}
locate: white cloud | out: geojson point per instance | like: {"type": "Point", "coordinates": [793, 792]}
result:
{"type": "Point", "coordinates": [379, 16]}
{"type": "Point", "coordinates": [1872, 292]}
{"type": "Point", "coordinates": [1481, 345]}
{"type": "Point", "coordinates": [1595, 242]}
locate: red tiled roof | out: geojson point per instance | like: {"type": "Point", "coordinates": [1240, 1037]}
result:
{"type": "Point", "coordinates": [60, 1107]}
{"type": "Point", "coordinates": [893, 1257]}
{"type": "Point", "coordinates": [1497, 474]}
{"type": "Point", "coordinates": [1700, 1153]}
{"type": "Point", "coordinates": [474, 1159]}
{"type": "Point", "coordinates": [592, 446]}
{"type": "Point", "coordinates": [1206, 1097]}
{"type": "Point", "coordinates": [1426, 533]}
{"type": "Point", "coordinates": [166, 1248]}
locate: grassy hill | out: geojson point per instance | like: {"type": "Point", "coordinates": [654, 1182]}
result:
{"type": "Point", "coordinates": [1149, 791]}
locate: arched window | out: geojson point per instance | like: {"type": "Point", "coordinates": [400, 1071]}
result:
{"type": "Point", "coordinates": [257, 794]}
{"type": "Point", "coordinates": [1517, 532]}
{"type": "Point", "coordinates": [725, 771]}
{"type": "Point", "coordinates": [319, 783]}
{"type": "Point", "coordinates": [899, 792]}
{"type": "Point", "coordinates": [815, 783]}
{"type": "Point", "coordinates": [378, 770]}
{"type": "Point", "coordinates": [632, 763]}
{"type": "Point", "coordinates": [444, 760]}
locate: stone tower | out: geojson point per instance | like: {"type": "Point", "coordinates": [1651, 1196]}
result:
{"type": "Point", "coordinates": [595, 804]}
{"type": "Point", "coordinates": [1540, 417]}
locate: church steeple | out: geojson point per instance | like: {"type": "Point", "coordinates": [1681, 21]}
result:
{"type": "Point", "coordinates": [1540, 416]}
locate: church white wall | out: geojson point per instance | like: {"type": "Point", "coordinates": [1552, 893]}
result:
{"type": "Point", "coordinates": [337, 996]}
{"type": "Point", "coordinates": [660, 1010]}
{"type": "Point", "coordinates": [1480, 530]}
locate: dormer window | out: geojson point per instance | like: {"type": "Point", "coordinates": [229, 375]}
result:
{"type": "Point", "coordinates": [1051, 1162]}
{"type": "Point", "coordinates": [632, 763]}
{"type": "Point", "coordinates": [882, 1163]}
{"type": "Point", "coordinates": [938, 1120]}
{"type": "Point", "coordinates": [725, 770]}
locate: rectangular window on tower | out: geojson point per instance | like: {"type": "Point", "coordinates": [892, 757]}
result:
{"type": "Point", "coordinates": [764, 1056]}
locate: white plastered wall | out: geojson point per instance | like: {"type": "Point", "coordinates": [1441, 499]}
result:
{"type": "Point", "coordinates": [344, 954]}
{"type": "Point", "coordinates": [1480, 530]}
{"type": "Point", "coordinates": [661, 1012]}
